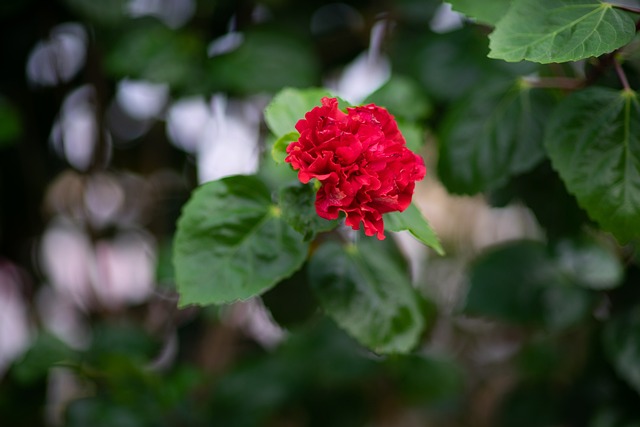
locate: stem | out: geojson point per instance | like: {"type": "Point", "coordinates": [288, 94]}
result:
{"type": "Point", "coordinates": [627, 8]}
{"type": "Point", "coordinates": [621, 75]}
{"type": "Point", "coordinates": [568, 83]}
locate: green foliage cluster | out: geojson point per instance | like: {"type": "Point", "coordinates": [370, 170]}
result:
{"type": "Point", "coordinates": [529, 102]}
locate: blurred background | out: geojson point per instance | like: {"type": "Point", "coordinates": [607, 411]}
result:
{"type": "Point", "coordinates": [112, 111]}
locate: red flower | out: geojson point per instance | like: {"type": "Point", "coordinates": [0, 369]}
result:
{"type": "Point", "coordinates": [361, 160]}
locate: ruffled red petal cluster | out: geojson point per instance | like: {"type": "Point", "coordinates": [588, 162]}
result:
{"type": "Point", "coordinates": [361, 160]}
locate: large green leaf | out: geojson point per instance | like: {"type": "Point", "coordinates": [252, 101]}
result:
{"type": "Point", "coordinates": [593, 140]}
{"type": "Point", "coordinates": [232, 244]}
{"type": "Point", "coordinates": [413, 221]}
{"type": "Point", "coordinates": [493, 134]}
{"type": "Point", "coordinates": [622, 345]}
{"type": "Point", "coordinates": [368, 295]}
{"type": "Point", "coordinates": [486, 11]}
{"type": "Point", "coordinates": [559, 30]}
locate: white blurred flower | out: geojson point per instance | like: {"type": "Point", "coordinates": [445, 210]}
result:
{"type": "Point", "coordinates": [111, 273]}
{"type": "Point", "coordinates": [62, 317]}
{"type": "Point", "coordinates": [229, 144]}
{"type": "Point", "coordinates": [186, 121]}
{"type": "Point", "coordinates": [60, 58]}
{"type": "Point", "coordinates": [446, 19]}
{"type": "Point", "coordinates": [225, 44]}
{"type": "Point", "coordinates": [66, 256]}
{"type": "Point", "coordinates": [174, 13]}
{"type": "Point", "coordinates": [365, 74]}
{"type": "Point", "coordinates": [125, 269]}
{"type": "Point", "coordinates": [141, 99]}
{"type": "Point", "coordinates": [14, 324]}
{"type": "Point", "coordinates": [74, 135]}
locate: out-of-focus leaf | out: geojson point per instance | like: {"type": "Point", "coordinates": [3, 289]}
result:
{"type": "Point", "coordinates": [403, 97]}
{"type": "Point", "coordinates": [622, 345]}
{"type": "Point", "coordinates": [317, 364]}
{"type": "Point", "coordinates": [413, 133]}
{"type": "Point", "coordinates": [413, 221]}
{"type": "Point", "coordinates": [426, 379]}
{"type": "Point", "coordinates": [165, 272]}
{"type": "Point", "coordinates": [265, 62]}
{"type": "Point", "coordinates": [520, 283]}
{"type": "Point", "coordinates": [125, 341]}
{"type": "Point", "coordinates": [493, 134]}
{"type": "Point", "coordinates": [565, 304]}
{"type": "Point", "coordinates": [539, 359]}
{"type": "Point", "coordinates": [232, 244]}
{"type": "Point", "coordinates": [10, 123]}
{"type": "Point", "coordinates": [368, 296]}
{"type": "Point", "coordinates": [103, 12]}
{"type": "Point", "coordinates": [297, 204]}
{"type": "Point", "coordinates": [559, 30]}
{"type": "Point", "coordinates": [102, 413]}
{"type": "Point", "coordinates": [487, 11]}
{"type": "Point", "coordinates": [448, 66]}
{"type": "Point", "coordinates": [291, 303]}
{"type": "Point", "coordinates": [593, 140]}
{"type": "Point", "coordinates": [45, 352]}
{"type": "Point", "coordinates": [507, 283]}
{"type": "Point", "coordinates": [151, 51]}
{"type": "Point", "coordinates": [535, 405]}
{"type": "Point", "coordinates": [589, 264]}
{"type": "Point", "coordinates": [563, 217]}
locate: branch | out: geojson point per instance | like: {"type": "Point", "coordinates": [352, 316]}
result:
{"type": "Point", "coordinates": [568, 83]}
{"type": "Point", "coordinates": [621, 75]}
{"type": "Point", "coordinates": [627, 8]}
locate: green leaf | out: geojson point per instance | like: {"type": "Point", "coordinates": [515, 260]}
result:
{"type": "Point", "coordinates": [45, 352]}
{"type": "Point", "coordinates": [413, 221]}
{"type": "Point", "coordinates": [104, 12]}
{"type": "Point", "coordinates": [593, 140]}
{"type": "Point", "coordinates": [505, 283]}
{"type": "Point", "coordinates": [520, 283]}
{"type": "Point", "coordinates": [232, 244]}
{"type": "Point", "coordinates": [547, 31]}
{"type": "Point", "coordinates": [403, 97]}
{"type": "Point", "coordinates": [486, 11]}
{"type": "Point", "coordinates": [366, 293]}
{"type": "Point", "coordinates": [153, 52]}
{"type": "Point", "coordinates": [10, 123]}
{"type": "Point", "coordinates": [589, 263]}
{"type": "Point", "coordinates": [622, 345]}
{"type": "Point", "coordinates": [290, 105]}
{"type": "Point", "coordinates": [266, 61]}
{"type": "Point", "coordinates": [449, 65]}
{"type": "Point", "coordinates": [297, 204]}
{"type": "Point", "coordinates": [422, 378]}
{"type": "Point", "coordinates": [493, 134]}
{"type": "Point", "coordinates": [413, 133]}
{"type": "Point", "coordinates": [279, 149]}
